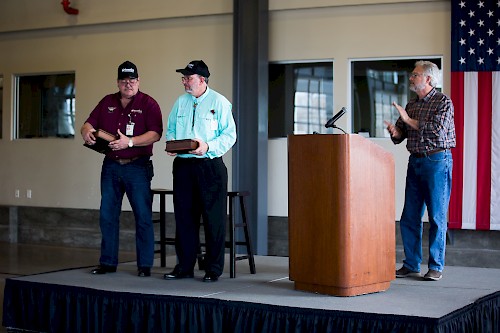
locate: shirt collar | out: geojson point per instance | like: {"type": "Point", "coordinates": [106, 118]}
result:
{"type": "Point", "coordinates": [202, 97]}
{"type": "Point", "coordinates": [429, 95]}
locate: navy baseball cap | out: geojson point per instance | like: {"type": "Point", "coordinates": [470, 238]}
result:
{"type": "Point", "coordinates": [127, 70]}
{"type": "Point", "coordinates": [195, 67]}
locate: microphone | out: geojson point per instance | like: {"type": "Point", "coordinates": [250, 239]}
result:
{"type": "Point", "coordinates": [331, 122]}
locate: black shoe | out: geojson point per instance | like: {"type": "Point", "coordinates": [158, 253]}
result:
{"type": "Point", "coordinates": [178, 273]}
{"type": "Point", "coordinates": [144, 271]}
{"type": "Point", "coordinates": [103, 269]}
{"type": "Point", "coordinates": [210, 277]}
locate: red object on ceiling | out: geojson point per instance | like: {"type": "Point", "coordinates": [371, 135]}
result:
{"type": "Point", "coordinates": [68, 9]}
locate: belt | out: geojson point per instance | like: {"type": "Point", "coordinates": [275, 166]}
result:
{"type": "Point", "coordinates": [197, 159]}
{"type": "Point", "coordinates": [124, 161]}
{"type": "Point", "coordinates": [428, 153]}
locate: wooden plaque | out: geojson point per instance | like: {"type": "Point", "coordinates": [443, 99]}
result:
{"type": "Point", "coordinates": [181, 146]}
{"type": "Point", "coordinates": [102, 140]}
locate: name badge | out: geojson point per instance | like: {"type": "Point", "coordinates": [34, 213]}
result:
{"type": "Point", "coordinates": [214, 125]}
{"type": "Point", "coordinates": [130, 129]}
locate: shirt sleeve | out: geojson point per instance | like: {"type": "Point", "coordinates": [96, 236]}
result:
{"type": "Point", "coordinates": [93, 118]}
{"type": "Point", "coordinates": [226, 136]}
{"type": "Point", "coordinates": [154, 121]}
{"type": "Point", "coordinates": [171, 123]}
{"type": "Point", "coordinates": [401, 126]}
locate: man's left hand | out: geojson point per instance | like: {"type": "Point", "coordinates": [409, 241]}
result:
{"type": "Point", "coordinates": [202, 148]}
{"type": "Point", "coordinates": [120, 143]}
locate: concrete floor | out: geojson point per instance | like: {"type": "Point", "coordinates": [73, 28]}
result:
{"type": "Point", "coordinates": [22, 259]}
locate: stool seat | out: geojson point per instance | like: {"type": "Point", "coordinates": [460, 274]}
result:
{"type": "Point", "coordinates": [231, 244]}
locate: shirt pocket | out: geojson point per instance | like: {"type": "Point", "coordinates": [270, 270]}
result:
{"type": "Point", "coordinates": [183, 120]}
{"type": "Point", "coordinates": [206, 122]}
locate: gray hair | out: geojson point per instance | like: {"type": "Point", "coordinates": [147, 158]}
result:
{"type": "Point", "coordinates": [431, 70]}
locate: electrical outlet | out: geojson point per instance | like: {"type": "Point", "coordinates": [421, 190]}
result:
{"type": "Point", "coordinates": [17, 193]}
{"type": "Point", "coordinates": [28, 194]}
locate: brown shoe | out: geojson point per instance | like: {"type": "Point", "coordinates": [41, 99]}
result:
{"type": "Point", "coordinates": [405, 272]}
{"type": "Point", "coordinates": [433, 275]}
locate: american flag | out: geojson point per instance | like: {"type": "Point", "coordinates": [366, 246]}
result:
{"type": "Point", "coordinates": [475, 92]}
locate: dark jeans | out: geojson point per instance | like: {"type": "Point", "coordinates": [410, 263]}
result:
{"type": "Point", "coordinates": [134, 179]}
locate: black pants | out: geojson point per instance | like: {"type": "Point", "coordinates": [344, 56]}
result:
{"type": "Point", "coordinates": [200, 190]}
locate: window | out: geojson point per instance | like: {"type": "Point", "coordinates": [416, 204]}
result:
{"type": "Point", "coordinates": [45, 106]}
{"type": "Point", "coordinates": [300, 98]}
{"type": "Point", "coordinates": [375, 85]}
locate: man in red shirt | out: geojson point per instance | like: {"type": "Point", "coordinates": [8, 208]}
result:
{"type": "Point", "coordinates": [135, 118]}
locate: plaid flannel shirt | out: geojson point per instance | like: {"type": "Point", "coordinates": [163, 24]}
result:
{"type": "Point", "coordinates": [436, 124]}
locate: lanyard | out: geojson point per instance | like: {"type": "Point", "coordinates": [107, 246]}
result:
{"type": "Point", "coordinates": [195, 104]}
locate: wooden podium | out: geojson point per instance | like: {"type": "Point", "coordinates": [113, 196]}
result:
{"type": "Point", "coordinates": [341, 214]}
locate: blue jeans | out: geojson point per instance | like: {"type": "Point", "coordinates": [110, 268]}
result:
{"type": "Point", "coordinates": [134, 179]}
{"type": "Point", "coordinates": [428, 183]}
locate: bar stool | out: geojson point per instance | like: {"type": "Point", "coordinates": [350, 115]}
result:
{"type": "Point", "coordinates": [164, 240]}
{"type": "Point", "coordinates": [231, 244]}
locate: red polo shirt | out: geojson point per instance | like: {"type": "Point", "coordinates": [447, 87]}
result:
{"type": "Point", "coordinates": [142, 110]}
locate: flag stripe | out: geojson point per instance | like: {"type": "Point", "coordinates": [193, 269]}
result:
{"type": "Point", "coordinates": [484, 151]}
{"type": "Point", "coordinates": [495, 153]}
{"type": "Point", "coordinates": [455, 210]}
{"type": "Point", "coordinates": [470, 150]}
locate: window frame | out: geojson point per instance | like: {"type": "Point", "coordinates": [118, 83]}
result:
{"type": "Point", "coordinates": [16, 124]}
{"type": "Point", "coordinates": [283, 98]}
{"type": "Point", "coordinates": [439, 59]}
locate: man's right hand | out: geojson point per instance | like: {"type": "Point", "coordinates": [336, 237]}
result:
{"type": "Point", "coordinates": [87, 133]}
{"type": "Point", "coordinates": [393, 130]}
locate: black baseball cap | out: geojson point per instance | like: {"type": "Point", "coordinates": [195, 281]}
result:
{"type": "Point", "coordinates": [127, 70]}
{"type": "Point", "coordinates": [195, 67]}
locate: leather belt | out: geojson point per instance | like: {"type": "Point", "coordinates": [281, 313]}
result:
{"type": "Point", "coordinates": [124, 161]}
{"type": "Point", "coordinates": [428, 153]}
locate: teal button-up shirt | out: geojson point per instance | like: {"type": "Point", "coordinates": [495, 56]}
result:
{"type": "Point", "coordinates": [208, 118]}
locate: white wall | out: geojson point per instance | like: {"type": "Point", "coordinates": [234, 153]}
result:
{"type": "Point", "coordinates": [160, 36]}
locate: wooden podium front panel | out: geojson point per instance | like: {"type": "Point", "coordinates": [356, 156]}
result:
{"type": "Point", "coordinates": [372, 213]}
{"type": "Point", "coordinates": [341, 214]}
{"type": "Point", "coordinates": [315, 207]}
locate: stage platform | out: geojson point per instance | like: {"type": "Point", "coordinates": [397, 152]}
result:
{"type": "Point", "coordinates": [464, 300]}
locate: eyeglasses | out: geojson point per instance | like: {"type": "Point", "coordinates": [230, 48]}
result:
{"type": "Point", "coordinates": [415, 75]}
{"type": "Point", "coordinates": [125, 82]}
{"type": "Point", "coordinates": [187, 78]}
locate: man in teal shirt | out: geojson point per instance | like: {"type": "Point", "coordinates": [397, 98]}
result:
{"type": "Point", "coordinates": [200, 176]}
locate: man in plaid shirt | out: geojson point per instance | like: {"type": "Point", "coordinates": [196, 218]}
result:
{"type": "Point", "coordinates": [428, 124]}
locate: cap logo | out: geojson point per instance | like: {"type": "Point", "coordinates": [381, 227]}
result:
{"type": "Point", "coordinates": [127, 70]}
{"type": "Point", "coordinates": [190, 65]}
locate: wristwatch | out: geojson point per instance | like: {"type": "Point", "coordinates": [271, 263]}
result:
{"type": "Point", "coordinates": [130, 143]}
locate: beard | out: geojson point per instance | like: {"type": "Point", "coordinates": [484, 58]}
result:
{"type": "Point", "coordinates": [417, 87]}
